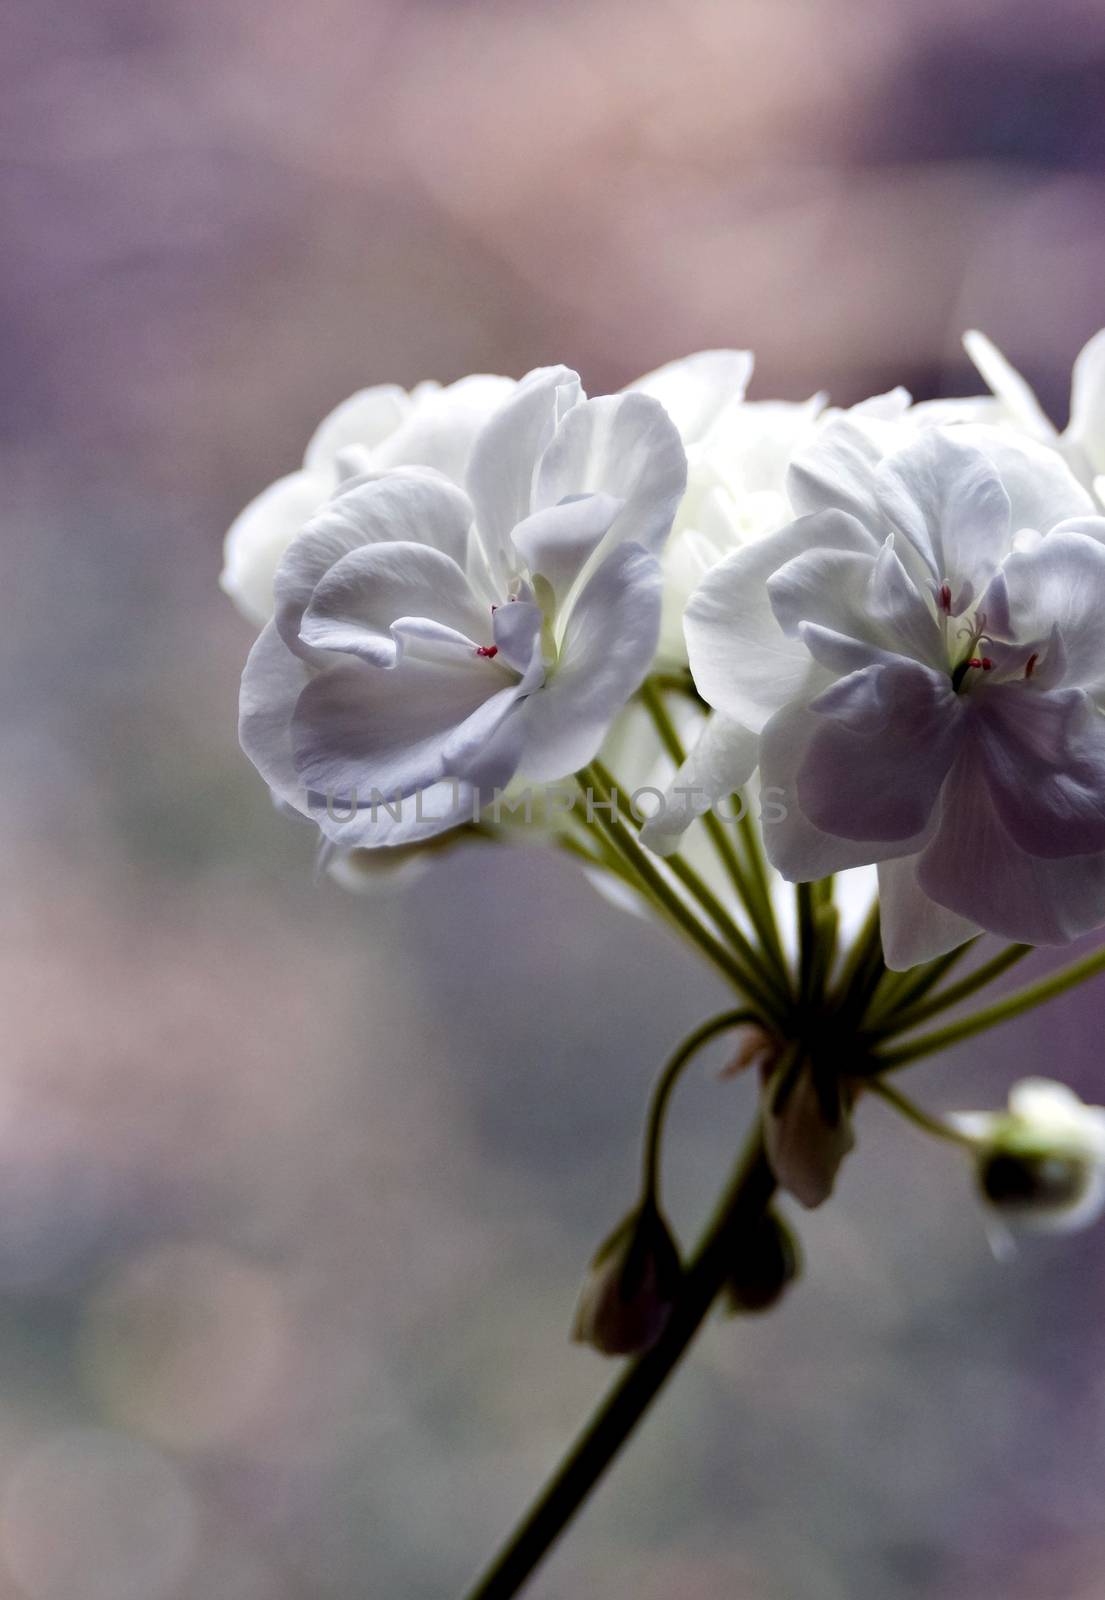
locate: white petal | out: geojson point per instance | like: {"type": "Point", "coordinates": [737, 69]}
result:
{"type": "Point", "coordinates": [696, 389]}
{"type": "Point", "coordinates": [1042, 489]}
{"type": "Point", "coordinates": [1003, 379]}
{"type": "Point", "coordinates": [836, 473]}
{"type": "Point", "coordinates": [914, 928]}
{"type": "Point", "coordinates": [503, 463]}
{"type": "Point", "coordinates": [948, 501]}
{"type": "Point", "coordinates": [392, 821]}
{"type": "Point", "coordinates": [443, 425]}
{"type": "Point", "coordinates": [870, 599]}
{"type": "Point", "coordinates": [556, 543]}
{"type": "Point", "coordinates": [607, 648]}
{"type": "Point", "coordinates": [366, 419]}
{"type": "Point", "coordinates": [357, 730]}
{"type": "Point", "coordinates": [517, 627]}
{"type": "Point", "coordinates": [975, 867]}
{"type": "Point", "coordinates": [358, 601]}
{"type": "Point", "coordinates": [743, 663]}
{"type": "Point", "coordinates": [414, 507]}
{"type": "Point", "coordinates": [1062, 583]}
{"type": "Point", "coordinates": [873, 769]}
{"type": "Point", "coordinates": [624, 445]}
{"type": "Point", "coordinates": [721, 762]}
{"type": "Point", "coordinates": [259, 535]}
{"type": "Point", "coordinates": [1086, 432]}
{"type": "Point", "coordinates": [272, 683]}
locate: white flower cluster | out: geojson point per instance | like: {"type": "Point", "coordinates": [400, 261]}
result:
{"type": "Point", "coordinates": [894, 615]}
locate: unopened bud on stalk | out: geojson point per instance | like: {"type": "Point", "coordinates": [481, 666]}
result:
{"type": "Point", "coordinates": [1041, 1162]}
{"type": "Point", "coordinates": [807, 1127]}
{"type": "Point", "coordinates": [768, 1260]}
{"type": "Point", "coordinates": [631, 1286]}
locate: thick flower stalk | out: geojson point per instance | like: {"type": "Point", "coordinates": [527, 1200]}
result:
{"type": "Point", "coordinates": [822, 692]}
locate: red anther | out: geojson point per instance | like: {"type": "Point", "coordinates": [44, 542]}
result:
{"type": "Point", "coordinates": [488, 650]}
{"type": "Point", "coordinates": [1030, 664]}
{"type": "Point", "coordinates": [976, 661]}
{"type": "Point", "coordinates": [946, 597]}
{"type": "Point", "coordinates": [987, 664]}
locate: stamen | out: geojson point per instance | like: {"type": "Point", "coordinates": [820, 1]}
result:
{"type": "Point", "coordinates": [1030, 664]}
{"type": "Point", "coordinates": [945, 597]}
{"type": "Point", "coordinates": [489, 651]}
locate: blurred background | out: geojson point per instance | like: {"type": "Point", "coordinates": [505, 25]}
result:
{"type": "Point", "coordinates": [296, 1188]}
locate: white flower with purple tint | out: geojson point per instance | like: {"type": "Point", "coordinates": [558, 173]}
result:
{"type": "Point", "coordinates": [373, 431]}
{"type": "Point", "coordinates": [923, 657]}
{"type": "Point", "coordinates": [432, 643]}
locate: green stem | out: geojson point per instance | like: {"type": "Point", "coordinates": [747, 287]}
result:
{"type": "Point", "coordinates": [920, 1119]}
{"type": "Point", "coordinates": [746, 1198]}
{"type": "Point", "coordinates": [647, 868]}
{"type": "Point", "coordinates": [908, 1016]}
{"type": "Point", "coordinates": [665, 1083]}
{"type": "Point", "coordinates": [807, 942]}
{"type": "Point", "coordinates": [900, 989]}
{"type": "Point", "coordinates": [751, 888]}
{"type": "Point", "coordinates": [1003, 1011]}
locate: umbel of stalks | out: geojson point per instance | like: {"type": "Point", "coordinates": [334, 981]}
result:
{"type": "Point", "coordinates": [631, 1286]}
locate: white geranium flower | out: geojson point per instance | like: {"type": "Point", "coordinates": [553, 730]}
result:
{"type": "Point", "coordinates": [738, 451]}
{"type": "Point", "coordinates": [1041, 1162]}
{"type": "Point", "coordinates": [434, 642]}
{"type": "Point", "coordinates": [372, 431]}
{"type": "Point", "coordinates": [923, 658]}
{"type": "Point", "coordinates": [1082, 441]}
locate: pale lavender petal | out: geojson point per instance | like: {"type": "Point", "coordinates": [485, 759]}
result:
{"type": "Point", "coordinates": [873, 769]}
{"type": "Point", "coordinates": [1044, 760]}
{"type": "Point", "coordinates": [975, 867]}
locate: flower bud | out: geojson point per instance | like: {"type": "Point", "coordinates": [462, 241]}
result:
{"type": "Point", "coordinates": [768, 1259]}
{"type": "Point", "coordinates": [1041, 1162]}
{"type": "Point", "coordinates": [631, 1286]}
{"type": "Point", "coordinates": [807, 1130]}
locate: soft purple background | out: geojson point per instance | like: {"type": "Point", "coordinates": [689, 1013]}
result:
{"type": "Point", "coordinates": [295, 1190]}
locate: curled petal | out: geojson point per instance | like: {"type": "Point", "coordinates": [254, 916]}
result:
{"type": "Point", "coordinates": [503, 463]}
{"type": "Point", "coordinates": [357, 603]}
{"type": "Point", "coordinates": [743, 663]}
{"type": "Point", "coordinates": [556, 543]}
{"type": "Point", "coordinates": [720, 763]}
{"type": "Point", "coordinates": [622, 445]}
{"type": "Point", "coordinates": [410, 506]}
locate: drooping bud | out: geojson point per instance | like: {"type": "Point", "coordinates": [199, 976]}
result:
{"type": "Point", "coordinates": [807, 1125]}
{"type": "Point", "coordinates": [768, 1260]}
{"type": "Point", "coordinates": [631, 1286]}
{"type": "Point", "coordinates": [1040, 1163]}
